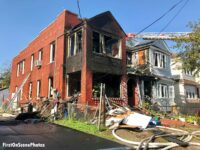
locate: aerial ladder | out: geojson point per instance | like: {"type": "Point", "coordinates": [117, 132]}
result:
{"type": "Point", "coordinates": [157, 35]}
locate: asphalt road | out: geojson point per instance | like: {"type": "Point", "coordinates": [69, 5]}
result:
{"type": "Point", "coordinates": [53, 137]}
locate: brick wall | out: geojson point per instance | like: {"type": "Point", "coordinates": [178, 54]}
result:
{"type": "Point", "coordinates": [54, 32]}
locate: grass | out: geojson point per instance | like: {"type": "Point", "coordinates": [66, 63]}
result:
{"type": "Point", "coordinates": [85, 127]}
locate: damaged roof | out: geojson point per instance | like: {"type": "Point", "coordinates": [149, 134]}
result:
{"type": "Point", "coordinates": [105, 21]}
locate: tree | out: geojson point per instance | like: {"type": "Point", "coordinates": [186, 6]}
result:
{"type": "Point", "coordinates": [189, 47]}
{"type": "Point", "coordinates": [5, 76]}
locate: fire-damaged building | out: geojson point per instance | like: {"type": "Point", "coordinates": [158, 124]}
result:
{"type": "Point", "coordinates": [149, 74]}
{"type": "Point", "coordinates": [73, 55]}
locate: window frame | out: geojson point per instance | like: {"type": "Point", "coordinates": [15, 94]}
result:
{"type": "Point", "coordinates": [52, 52]}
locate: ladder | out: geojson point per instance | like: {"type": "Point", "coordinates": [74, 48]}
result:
{"type": "Point", "coordinates": [16, 93]}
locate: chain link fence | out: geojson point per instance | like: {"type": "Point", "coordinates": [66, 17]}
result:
{"type": "Point", "coordinates": [82, 112]}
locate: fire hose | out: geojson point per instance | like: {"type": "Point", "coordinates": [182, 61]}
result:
{"type": "Point", "coordinates": [185, 137]}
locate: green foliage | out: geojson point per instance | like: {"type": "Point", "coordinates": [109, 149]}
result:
{"type": "Point", "coordinates": [85, 127]}
{"type": "Point", "coordinates": [5, 77]}
{"type": "Point", "coordinates": [192, 119]}
{"type": "Point", "coordinates": [189, 47]}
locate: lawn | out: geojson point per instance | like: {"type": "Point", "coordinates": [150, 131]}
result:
{"type": "Point", "coordinates": [87, 128]}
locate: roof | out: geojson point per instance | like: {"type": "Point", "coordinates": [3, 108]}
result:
{"type": "Point", "coordinates": [105, 21]}
{"type": "Point", "coordinates": [160, 44]}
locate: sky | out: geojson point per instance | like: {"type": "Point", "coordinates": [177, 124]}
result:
{"type": "Point", "coordinates": [22, 20]}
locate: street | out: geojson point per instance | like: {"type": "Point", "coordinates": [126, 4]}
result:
{"type": "Point", "coordinates": [51, 136]}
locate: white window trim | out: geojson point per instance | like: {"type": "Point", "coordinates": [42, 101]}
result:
{"type": "Point", "coordinates": [23, 66]}
{"type": "Point", "coordinates": [38, 88]}
{"type": "Point", "coordinates": [30, 91]}
{"type": "Point", "coordinates": [51, 52]}
{"type": "Point", "coordinates": [49, 87]}
{"type": "Point", "coordinates": [40, 55]}
{"type": "Point", "coordinates": [160, 61]}
{"type": "Point", "coordinates": [166, 91]}
{"type": "Point", "coordinates": [18, 70]}
{"type": "Point", "coordinates": [32, 61]}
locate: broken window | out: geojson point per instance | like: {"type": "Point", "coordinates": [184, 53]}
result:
{"type": "Point", "coordinates": [111, 46]}
{"type": "Point", "coordinates": [74, 83]}
{"type": "Point", "coordinates": [38, 88]}
{"type": "Point", "coordinates": [79, 41]}
{"type": "Point", "coordinates": [96, 42]}
{"type": "Point", "coordinates": [106, 44]}
{"type": "Point", "coordinates": [112, 85]}
{"type": "Point", "coordinates": [128, 58]}
{"type": "Point", "coordinates": [75, 43]}
{"type": "Point", "coordinates": [52, 52]}
{"type": "Point", "coordinates": [72, 44]}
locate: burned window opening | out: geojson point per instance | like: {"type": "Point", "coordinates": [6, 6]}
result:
{"type": "Point", "coordinates": [107, 45]}
{"type": "Point", "coordinates": [79, 41]}
{"type": "Point", "coordinates": [74, 83]}
{"type": "Point", "coordinates": [72, 44]}
{"type": "Point", "coordinates": [50, 89]}
{"type": "Point", "coordinates": [75, 43]}
{"type": "Point", "coordinates": [96, 42]}
{"type": "Point", "coordinates": [112, 85]}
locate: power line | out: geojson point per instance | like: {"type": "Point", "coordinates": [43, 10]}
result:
{"type": "Point", "coordinates": [174, 6]}
{"type": "Point", "coordinates": [79, 10]}
{"type": "Point", "coordinates": [175, 16]}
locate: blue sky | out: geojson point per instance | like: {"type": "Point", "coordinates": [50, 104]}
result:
{"type": "Point", "coordinates": [22, 20]}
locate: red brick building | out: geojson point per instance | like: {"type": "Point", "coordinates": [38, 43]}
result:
{"type": "Point", "coordinates": [71, 55]}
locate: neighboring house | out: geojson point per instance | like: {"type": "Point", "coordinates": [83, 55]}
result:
{"type": "Point", "coordinates": [148, 66]}
{"type": "Point", "coordinates": [73, 55]}
{"type": "Point", "coordinates": [187, 87]}
{"type": "Point", "coordinates": [4, 93]}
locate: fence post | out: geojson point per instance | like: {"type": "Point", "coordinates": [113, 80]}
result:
{"type": "Point", "coordinates": [101, 118]}
{"type": "Point", "coordinates": [86, 111]}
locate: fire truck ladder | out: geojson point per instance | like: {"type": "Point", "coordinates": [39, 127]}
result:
{"type": "Point", "coordinates": [158, 35]}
